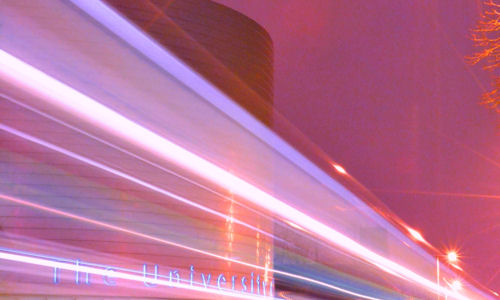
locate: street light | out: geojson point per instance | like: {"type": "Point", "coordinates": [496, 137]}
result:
{"type": "Point", "coordinates": [456, 285]}
{"type": "Point", "coordinates": [452, 256]}
{"type": "Point", "coordinates": [419, 238]}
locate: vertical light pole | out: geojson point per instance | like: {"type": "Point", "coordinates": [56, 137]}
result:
{"type": "Point", "coordinates": [418, 237]}
{"type": "Point", "coordinates": [437, 277]}
{"type": "Point", "coordinates": [452, 258]}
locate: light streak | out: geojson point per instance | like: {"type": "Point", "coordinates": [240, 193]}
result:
{"type": "Point", "coordinates": [417, 235]}
{"type": "Point", "coordinates": [120, 274]}
{"type": "Point", "coordinates": [112, 227]}
{"type": "Point", "coordinates": [294, 225]}
{"type": "Point", "coordinates": [126, 176]}
{"type": "Point", "coordinates": [231, 199]}
{"type": "Point", "coordinates": [82, 107]}
{"type": "Point", "coordinates": [455, 285]}
{"type": "Point", "coordinates": [340, 169]}
{"type": "Point", "coordinates": [167, 242]}
{"type": "Point", "coordinates": [457, 267]}
{"type": "Point", "coordinates": [446, 194]}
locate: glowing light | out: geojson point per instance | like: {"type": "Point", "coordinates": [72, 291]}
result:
{"type": "Point", "coordinates": [416, 235]}
{"type": "Point", "coordinates": [452, 256]}
{"type": "Point", "coordinates": [56, 94]}
{"type": "Point", "coordinates": [340, 169]}
{"type": "Point", "coordinates": [294, 225]}
{"type": "Point", "coordinates": [130, 178]}
{"type": "Point", "coordinates": [121, 275]}
{"type": "Point", "coordinates": [457, 267]}
{"type": "Point", "coordinates": [164, 241]}
{"type": "Point", "coordinates": [456, 285]}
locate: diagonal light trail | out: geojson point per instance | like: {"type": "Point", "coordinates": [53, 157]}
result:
{"type": "Point", "coordinates": [171, 243]}
{"type": "Point", "coordinates": [447, 194]}
{"type": "Point", "coordinates": [143, 235]}
{"type": "Point", "coordinates": [81, 107]}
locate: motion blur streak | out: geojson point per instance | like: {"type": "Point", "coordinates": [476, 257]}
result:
{"type": "Point", "coordinates": [118, 228]}
{"type": "Point", "coordinates": [126, 176]}
{"type": "Point", "coordinates": [446, 194]}
{"type": "Point", "coordinates": [121, 275]}
{"type": "Point", "coordinates": [142, 235]}
{"type": "Point", "coordinates": [153, 165]}
{"type": "Point", "coordinates": [83, 108]}
{"type": "Point", "coordinates": [163, 241]}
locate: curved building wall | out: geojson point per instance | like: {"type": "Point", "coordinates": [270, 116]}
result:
{"type": "Point", "coordinates": [124, 173]}
{"type": "Point", "coordinates": [75, 195]}
{"type": "Point", "coordinates": [212, 39]}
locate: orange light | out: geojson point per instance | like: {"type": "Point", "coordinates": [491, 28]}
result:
{"type": "Point", "coordinates": [452, 256]}
{"type": "Point", "coordinates": [340, 169]}
{"type": "Point", "coordinates": [416, 235]}
{"type": "Point", "coordinates": [456, 285]}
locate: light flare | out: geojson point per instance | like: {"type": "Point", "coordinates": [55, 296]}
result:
{"type": "Point", "coordinates": [452, 256]}
{"type": "Point", "coordinates": [417, 235]}
{"type": "Point", "coordinates": [130, 178]}
{"type": "Point", "coordinates": [167, 242]}
{"type": "Point", "coordinates": [340, 169]}
{"type": "Point", "coordinates": [87, 110]}
{"type": "Point", "coordinates": [456, 285]}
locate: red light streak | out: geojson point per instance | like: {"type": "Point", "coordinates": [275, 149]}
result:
{"type": "Point", "coordinates": [121, 275]}
{"type": "Point", "coordinates": [127, 176]}
{"type": "Point", "coordinates": [79, 106]}
{"type": "Point", "coordinates": [167, 242]}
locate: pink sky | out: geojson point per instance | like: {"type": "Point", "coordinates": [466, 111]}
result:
{"type": "Point", "coordinates": [383, 88]}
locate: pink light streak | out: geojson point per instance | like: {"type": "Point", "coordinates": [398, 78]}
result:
{"type": "Point", "coordinates": [167, 242]}
{"type": "Point", "coordinates": [57, 94]}
{"type": "Point", "coordinates": [122, 275]}
{"type": "Point", "coordinates": [231, 199]}
{"type": "Point", "coordinates": [127, 177]}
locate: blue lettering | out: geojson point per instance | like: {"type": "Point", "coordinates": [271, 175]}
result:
{"type": "Point", "coordinates": [233, 279]}
{"type": "Point", "coordinates": [144, 273]}
{"type": "Point", "coordinates": [108, 278]}
{"type": "Point", "coordinates": [191, 275]}
{"type": "Point", "coordinates": [176, 274]}
{"type": "Point", "coordinates": [243, 280]}
{"type": "Point", "coordinates": [56, 275]}
{"type": "Point", "coordinates": [251, 284]}
{"type": "Point", "coordinates": [206, 283]}
{"type": "Point", "coordinates": [77, 274]}
{"type": "Point", "coordinates": [151, 279]}
{"type": "Point", "coordinates": [219, 279]}
{"type": "Point", "coordinates": [77, 278]}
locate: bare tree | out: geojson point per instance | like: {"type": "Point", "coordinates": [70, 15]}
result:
{"type": "Point", "coordinates": [486, 37]}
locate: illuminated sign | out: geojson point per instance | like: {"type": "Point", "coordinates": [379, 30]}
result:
{"type": "Point", "coordinates": [87, 273]}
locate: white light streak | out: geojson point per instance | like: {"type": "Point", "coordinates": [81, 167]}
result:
{"type": "Point", "coordinates": [81, 107]}
{"type": "Point", "coordinates": [122, 275]}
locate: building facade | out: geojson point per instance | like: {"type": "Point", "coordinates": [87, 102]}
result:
{"type": "Point", "coordinates": [137, 161]}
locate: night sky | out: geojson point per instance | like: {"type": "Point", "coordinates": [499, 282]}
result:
{"type": "Point", "coordinates": [384, 89]}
